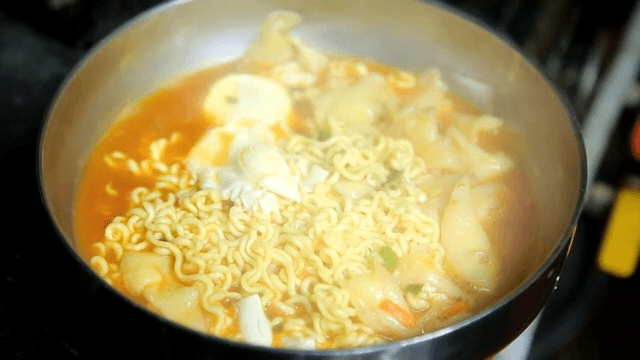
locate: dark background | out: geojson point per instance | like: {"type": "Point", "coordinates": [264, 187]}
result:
{"type": "Point", "coordinates": [45, 311]}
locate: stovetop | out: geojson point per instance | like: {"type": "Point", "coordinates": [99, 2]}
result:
{"type": "Point", "coordinates": [44, 309]}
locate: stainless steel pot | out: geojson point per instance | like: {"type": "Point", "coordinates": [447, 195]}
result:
{"type": "Point", "coordinates": [184, 36]}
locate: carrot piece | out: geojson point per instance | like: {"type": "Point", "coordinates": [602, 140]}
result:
{"type": "Point", "coordinates": [455, 308]}
{"type": "Point", "coordinates": [398, 312]}
{"type": "Point", "coordinates": [277, 341]}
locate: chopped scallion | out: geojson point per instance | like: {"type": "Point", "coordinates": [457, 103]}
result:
{"type": "Point", "coordinates": [414, 289]}
{"type": "Point", "coordinates": [389, 257]}
{"type": "Point", "coordinates": [324, 135]}
{"type": "Point", "coordinates": [394, 178]}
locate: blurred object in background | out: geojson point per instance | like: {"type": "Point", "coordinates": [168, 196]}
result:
{"type": "Point", "coordinates": [618, 255]}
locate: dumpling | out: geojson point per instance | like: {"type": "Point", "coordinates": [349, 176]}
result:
{"type": "Point", "coordinates": [367, 291]}
{"type": "Point", "coordinates": [273, 45]}
{"type": "Point", "coordinates": [441, 155]}
{"type": "Point", "coordinates": [142, 271]}
{"type": "Point", "coordinates": [434, 93]}
{"type": "Point", "coordinates": [179, 303]}
{"type": "Point", "coordinates": [416, 269]}
{"type": "Point", "coordinates": [472, 126]}
{"type": "Point", "coordinates": [150, 275]}
{"type": "Point", "coordinates": [467, 248]}
{"type": "Point", "coordinates": [420, 126]}
{"type": "Point", "coordinates": [358, 105]}
{"type": "Point", "coordinates": [312, 59]}
{"type": "Point", "coordinates": [483, 165]}
{"type": "Point", "coordinates": [438, 190]}
{"type": "Point", "coordinates": [488, 200]}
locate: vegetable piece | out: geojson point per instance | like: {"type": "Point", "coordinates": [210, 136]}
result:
{"type": "Point", "coordinates": [254, 325]}
{"type": "Point", "coordinates": [394, 175]}
{"type": "Point", "coordinates": [395, 310]}
{"type": "Point", "coordinates": [455, 308]}
{"type": "Point", "coordinates": [394, 179]}
{"type": "Point", "coordinates": [472, 126]}
{"type": "Point", "coordinates": [390, 258]}
{"type": "Point", "coordinates": [414, 289]}
{"type": "Point", "coordinates": [324, 135]}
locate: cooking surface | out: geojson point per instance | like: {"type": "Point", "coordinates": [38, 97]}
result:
{"type": "Point", "coordinates": [44, 310]}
